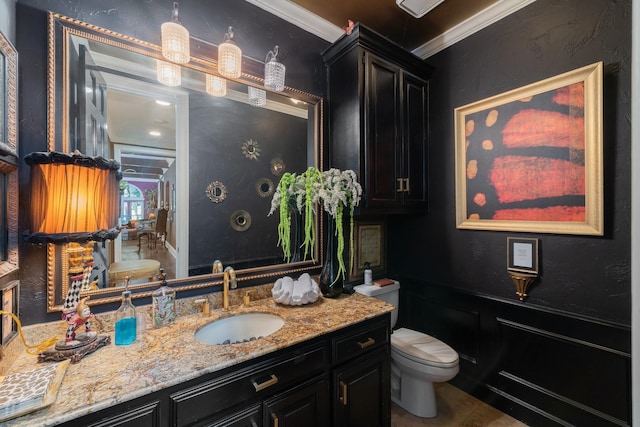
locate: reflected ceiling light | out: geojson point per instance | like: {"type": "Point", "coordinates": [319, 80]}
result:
{"type": "Point", "coordinates": [154, 133]}
{"type": "Point", "coordinates": [274, 72]}
{"type": "Point", "coordinates": [169, 74]}
{"type": "Point", "coordinates": [163, 103]}
{"type": "Point", "coordinates": [175, 39]}
{"type": "Point", "coordinates": [257, 97]}
{"type": "Point", "coordinates": [215, 86]}
{"type": "Point", "coordinates": [418, 8]}
{"type": "Point", "coordinates": [229, 57]}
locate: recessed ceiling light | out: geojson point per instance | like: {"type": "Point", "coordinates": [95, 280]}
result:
{"type": "Point", "coordinates": [163, 103]}
{"type": "Point", "coordinates": [154, 133]}
{"type": "Point", "coordinates": [417, 8]}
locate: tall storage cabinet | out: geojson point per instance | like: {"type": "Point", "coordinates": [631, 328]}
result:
{"type": "Point", "coordinates": [377, 120]}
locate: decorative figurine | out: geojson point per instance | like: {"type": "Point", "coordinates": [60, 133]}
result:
{"type": "Point", "coordinates": [81, 315]}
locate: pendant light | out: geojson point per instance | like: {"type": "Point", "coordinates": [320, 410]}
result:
{"type": "Point", "coordinates": [175, 39]}
{"type": "Point", "coordinates": [169, 74]}
{"type": "Point", "coordinates": [215, 86]}
{"type": "Point", "coordinates": [229, 57]}
{"type": "Point", "coordinates": [257, 97]}
{"type": "Point", "coordinates": [274, 72]}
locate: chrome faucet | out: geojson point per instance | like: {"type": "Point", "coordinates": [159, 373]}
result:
{"type": "Point", "coordinates": [229, 275]}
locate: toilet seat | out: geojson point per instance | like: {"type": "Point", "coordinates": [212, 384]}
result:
{"type": "Point", "coordinates": [422, 348]}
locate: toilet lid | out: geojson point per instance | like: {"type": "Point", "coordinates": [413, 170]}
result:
{"type": "Point", "coordinates": [423, 348]}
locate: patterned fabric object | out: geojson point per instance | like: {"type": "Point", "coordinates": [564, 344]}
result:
{"type": "Point", "coordinates": [25, 389]}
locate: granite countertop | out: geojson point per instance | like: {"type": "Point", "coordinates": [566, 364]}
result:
{"type": "Point", "coordinates": [170, 355]}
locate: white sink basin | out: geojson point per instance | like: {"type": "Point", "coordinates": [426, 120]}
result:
{"type": "Point", "coordinates": [239, 328]}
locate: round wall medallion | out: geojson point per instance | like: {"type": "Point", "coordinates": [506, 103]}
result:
{"type": "Point", "coordinates": [216, 191]}
{"type": "Point", "coordinates": [265, 187]}
{"type": "Point", "coordinates": [240, 220]}
{"type": "Point", "coordinates": [251, 149]}
{"type": "Point", "coordinates": [278, 166]}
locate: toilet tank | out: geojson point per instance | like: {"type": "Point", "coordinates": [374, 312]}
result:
{"type": "Point", "coordinates": [389, 293]}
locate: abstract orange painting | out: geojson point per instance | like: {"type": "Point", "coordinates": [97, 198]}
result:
{"type": "Point", "coordinates": [531, 159]}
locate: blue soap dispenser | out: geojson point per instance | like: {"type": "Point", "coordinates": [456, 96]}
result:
{"type": "Point", "coordinates": [125, 326]}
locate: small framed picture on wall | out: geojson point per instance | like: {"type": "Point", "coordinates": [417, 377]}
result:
{"type": "Point", "coordinates": [522, 255]}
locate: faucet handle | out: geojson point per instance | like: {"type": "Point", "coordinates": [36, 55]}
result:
{"type": "Point", "coordinates": [206, 305]}
{"type": "Point", "coordinates": [246, 300]}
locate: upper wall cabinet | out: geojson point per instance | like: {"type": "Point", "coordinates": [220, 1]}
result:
{"type": "Point", "coordinates": [377, 121]}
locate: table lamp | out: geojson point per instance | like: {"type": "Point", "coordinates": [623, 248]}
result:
{"type": "Point", "coordinates": [74, 200]}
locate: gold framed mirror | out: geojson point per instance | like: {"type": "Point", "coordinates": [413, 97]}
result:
{"type": "Point", "coordinates": [208, 143]}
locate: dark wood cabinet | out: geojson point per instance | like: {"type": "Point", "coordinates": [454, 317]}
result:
{"type": "Point", "coordinates": [362, 392]}
{"type": "Point", "coordinates": [377, 120]}
{"type": "Point", "coordinates": [294, 386]}
{"type": "Point", "coordinates": [307, 405]}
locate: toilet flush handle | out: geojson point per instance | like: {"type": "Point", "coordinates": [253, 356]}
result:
{"type": "Point", "coordinates": [367, 343]}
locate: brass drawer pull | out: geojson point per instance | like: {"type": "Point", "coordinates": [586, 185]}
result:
{"type": "Point", "coordinates": [367, 343]}
{"type": "Point", "coordinates": [266, 384]}
{"type": "Point", "coordinates": [406, 185]}
{"type": "Point", "coordinates": [400, 185]}
{"type": "Point", "coordinates": [343, 398]}
{"type": "Point", "coordinates": [274, 417]}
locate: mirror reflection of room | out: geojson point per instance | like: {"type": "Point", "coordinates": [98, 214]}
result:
{"type": "Point", "coordinates": [206, 165]}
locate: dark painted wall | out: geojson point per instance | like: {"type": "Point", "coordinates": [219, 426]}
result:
{"type": "Point", "coordinates": [256, 32]}
{"type": "Point", "coordinates": [215, 155]}
{"type": "Point", "coordinates": [562, 357]}
{"type": "Point", "coordinates": [589, 276]}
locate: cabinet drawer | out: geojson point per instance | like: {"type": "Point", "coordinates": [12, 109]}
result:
{"type": "Point", "coordinates": [360, 341]}
{"type": "Point", "coordinates": [245, 385]}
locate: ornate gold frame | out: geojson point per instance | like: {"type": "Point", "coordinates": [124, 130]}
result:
{"type": "Point", "coordinates": [591, 76]}
{"type": "Point", "coordinates": [10, 147]}
{"type": "Point", "coordinates": [57, 260]}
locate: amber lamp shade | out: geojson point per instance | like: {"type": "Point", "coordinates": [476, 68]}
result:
{"type": "Point", "coordinates": [74, 198]}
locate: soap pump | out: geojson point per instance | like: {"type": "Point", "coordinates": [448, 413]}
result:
{"type": "Point", "coordinates": [368, 274]}
{"type": "Point", "coordinates": [163, 303]}
{"type": "Point", "coordinates": [125, 326]}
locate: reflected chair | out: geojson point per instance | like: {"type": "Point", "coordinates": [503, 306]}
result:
{"type": "Point", "coordinates": [156, 231]}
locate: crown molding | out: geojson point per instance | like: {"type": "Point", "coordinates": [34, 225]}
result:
{"type": "Point", "coordinates": [324, 29]}
{"type": "Point", "coordinates": [300, 17]}
{"type": "Point", "coordinates": [470, 26]}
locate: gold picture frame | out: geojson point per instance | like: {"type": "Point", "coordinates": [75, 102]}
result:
{"type": "Point", "coordinates": [530, 159]}
{"type": "Point", "coordinates": [369, 243]}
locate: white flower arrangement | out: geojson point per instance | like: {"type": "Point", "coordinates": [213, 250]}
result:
{"type": "Point", "coordinates": [333, 189]}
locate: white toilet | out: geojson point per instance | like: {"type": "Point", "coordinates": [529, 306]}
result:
{"type": "Point", "coordinates": [417, 359]}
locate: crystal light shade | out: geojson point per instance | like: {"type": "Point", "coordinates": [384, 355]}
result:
{"type": "Point", "coordinates": [216, 86]}
{"type": "Point", "coordinates": [229, 57]}
{"type": "Point", "coordinates": [257, 97]}
{"type": "Point", "coordinates": [169, 74]}
{"type": "Point", "coordinates": [175, 39]}
{"type": "Point", "coordinates": [74, 198]}
{"type": "Point", "coordinates": [274, 72]}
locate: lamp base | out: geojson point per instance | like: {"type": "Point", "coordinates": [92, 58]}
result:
{"type": "Point", "coordinates": [83, 344]}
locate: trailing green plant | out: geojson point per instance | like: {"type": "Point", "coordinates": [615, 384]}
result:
{"type": "Point", "coordinates": [333, 190]}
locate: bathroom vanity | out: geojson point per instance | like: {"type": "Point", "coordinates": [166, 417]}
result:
{"type": "Point", "coordinates": [328, 365]}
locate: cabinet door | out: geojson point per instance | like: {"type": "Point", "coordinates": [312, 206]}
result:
{"type": "Point", "coordinates": [361, 391]}
{"type": "Point", "coordinates": [383, 133]}
{"type": "Point", "coordinates": [415, 142]}
{"type": "Point", "coordinates": [249, 417]}
{"type": "Point", "coordinates": [307, 405]}
{"type": "Point", "coordinates": [142, 416]}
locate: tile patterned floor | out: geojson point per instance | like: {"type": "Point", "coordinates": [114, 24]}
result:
{"type": "Point", "coordinates": [455, 409]}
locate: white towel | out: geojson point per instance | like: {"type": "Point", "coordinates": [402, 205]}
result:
{"type": "Point", "coordinates": [282, 290]}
